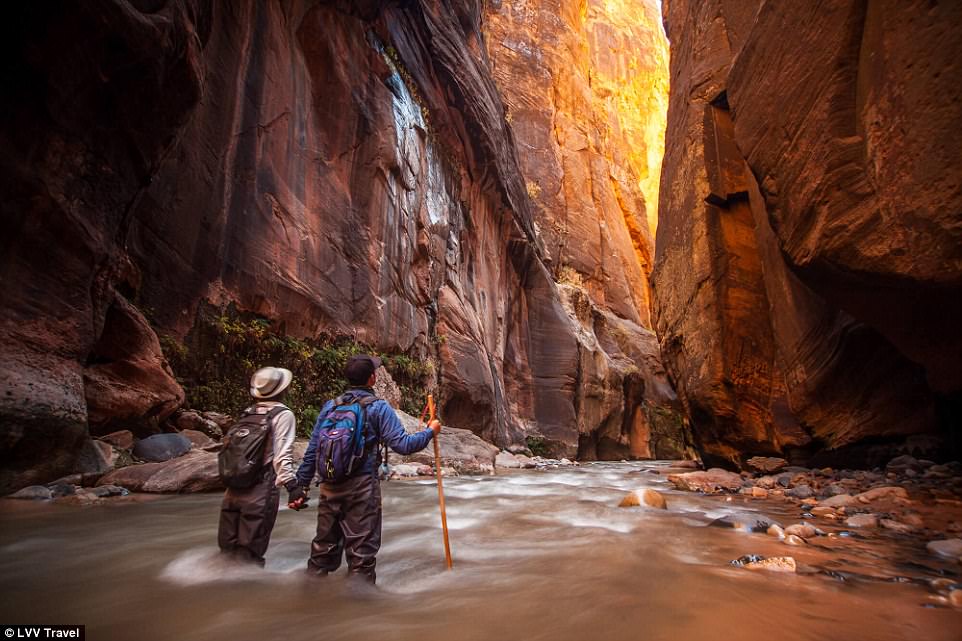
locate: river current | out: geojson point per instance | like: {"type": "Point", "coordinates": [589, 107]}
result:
{"type": "Point", "coordinates": [537, 555]}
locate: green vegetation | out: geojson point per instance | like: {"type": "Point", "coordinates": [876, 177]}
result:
{"type": "Point", "coordinates": [215, 363]}
{"type": "Point", "coordinates": [537, 445]}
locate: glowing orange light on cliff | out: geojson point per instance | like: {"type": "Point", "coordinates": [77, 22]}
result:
{"type": "Point", "coordinates": [635, 90]}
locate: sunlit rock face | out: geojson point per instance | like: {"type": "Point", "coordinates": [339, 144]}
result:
{"type": "Point", "coordinates": [585, 87]}
{"type": "Point", "coordinates": [340, 168]}
{"type": "Point", "coordinates": [808, 278]}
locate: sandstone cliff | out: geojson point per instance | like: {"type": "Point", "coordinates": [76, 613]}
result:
{"type": "Point", "coordinates": [808, 278]}
{"type": "Point", "coordinates": [585, 91]}
{"type": "Point", "coordinates": [341, 168]}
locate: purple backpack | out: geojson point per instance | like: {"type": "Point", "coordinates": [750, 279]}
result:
{"type": "Point", "coordinates": [342, 442]}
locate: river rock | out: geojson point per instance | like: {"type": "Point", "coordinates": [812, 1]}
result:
{"type": "Point", "coordinates": [822, 510]}
{"type": "Point", "coordinates": [507, 460]}
{"type": "Point", "coordinates": [775, 530]}
{"type": "Point", "coordinates": [193, 472]}
{"type": "Point", "coordinates": [955, 598]}
{"type": "Point", "coordinates": [759, 493]}
{"type": "Point", "coordinates": [887, 492]}
{"type": "Point", "coordinates": [525, 461]}
{"type": "Point", "coordinates": [32, 493]}
{"type": "Point", "coordinates": [801, 492]}
{"type": "Point", "coordinates": [744, 522]}
{"type": "Point", "coordinates": [772, 564]}
{"type": "Point", "coordinates": [405, 470]}
{"type": "Point", "coordinates": [104, 491]}
{"type": "Point", "coordinates": [951, 548]}
{"type": "Point", "coordinates": [862, 521]}
{"type": "Point", "coordinates": [197, 439]}
{"type": "Point", "coordinates": [794, 539]}
{"type": "Point", "coordinates": [647, 497]}
{"type": "Point", "coordinates": [803, 530]}
{"type": "Point", "coordinates": [896, 526]}
{"type": "Point", "coordinates": [62, 489]}
{"type": "Point", "coordinates": [708, 481]}
{"type": "Point", "coordinates": [121, 439]}
{"type": "Point", "coordinates": [839, 500]}
{"type": "Point", "coordinates": [903, 463]}
{"type": "Point", "coordinates": [195, 421]}
{"type": "Point", "coordinates": [766, 464]}
{"type": "Point", "coordinates": [161, 447]}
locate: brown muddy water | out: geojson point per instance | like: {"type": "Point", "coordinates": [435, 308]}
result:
{"type": "Point", "coordinates": [538, 555]}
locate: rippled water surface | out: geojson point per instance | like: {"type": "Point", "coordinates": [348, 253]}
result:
{"type": "Point", "coordinates": [538, 555]}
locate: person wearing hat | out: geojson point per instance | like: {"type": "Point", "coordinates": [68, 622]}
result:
{"type": "Point", "coordinates": [247, 515]}
{"type": "Point", "coordinates": [349, 512]}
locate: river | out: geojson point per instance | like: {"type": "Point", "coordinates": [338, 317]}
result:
{"type": "Point", "coordinates": [538, 555]}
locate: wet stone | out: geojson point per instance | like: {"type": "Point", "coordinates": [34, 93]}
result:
{"type": "Point", "coordinates": [793, 539]}
{"type": "Point", "coordinates": [862, 521]}
{"type": "Point", "coordinates": [801, 492]}
{"type": "Point", "coordinates": [951, 548]}
{"type": "Point", "coordinates": [32, 493]}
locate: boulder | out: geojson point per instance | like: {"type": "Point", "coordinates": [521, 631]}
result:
{"type": "Point", "coordinates": [507, 460]}
{"type": "Point", "coordinates": [193, 472]}
{"type": "Point", "coordinates": [161, 447]}
{"type": "Point", "coordinates": [386, 388]}
{"type": "Point", "coordinates": [121, 439]}
{"type": "Point", "coordinates": [766, 464]}
{"type": "Point", "coordinates": [462, 450]}
{"type": "Point", "coordinates": [862, 521]}
{"type": "Point", "coordinates": [197, 439]}
{"type": "Point", "coordinates": [195, 421]}
{"type": "Point", "coordinates": [950, 548]}
{"type": "Point", "coordinates": [96, 459]}
{"type": "Point", "coordinates": [526, 462]}
{"type": "Point", "coordinates": [32, 493]}
{"type": "Point", "coordinates": [903, 463]}
{"type": "Point", "coordinates": [708, 481]}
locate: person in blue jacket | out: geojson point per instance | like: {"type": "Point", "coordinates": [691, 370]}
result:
{"type": "Point", "coordinates": [349, 512]}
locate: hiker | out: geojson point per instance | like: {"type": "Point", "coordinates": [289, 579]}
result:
{"type": "Point", "coordinates": [267, 429]}
{"type": "Point", "coordinates": [349, 508]}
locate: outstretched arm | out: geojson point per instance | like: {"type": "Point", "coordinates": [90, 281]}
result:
{"type": "Point", "coordinates": [392, 432]}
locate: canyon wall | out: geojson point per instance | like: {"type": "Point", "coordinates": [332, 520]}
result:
{"type": "Point", "coordinates": [343, 169]}
{"type": "Point", "coordinates": [585, 87]}
{"type": "Point", "coordinates": [808, 276]}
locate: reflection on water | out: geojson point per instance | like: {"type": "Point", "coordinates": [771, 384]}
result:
{"type": "Point", "coordinates": [538, 555]}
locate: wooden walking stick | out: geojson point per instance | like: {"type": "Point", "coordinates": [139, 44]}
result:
{"type": "Point", "coordinates": [437, 473]}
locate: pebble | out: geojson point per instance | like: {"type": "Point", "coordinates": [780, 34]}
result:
{"type": "Point", "coordinates": [862, 520]}
{"type": "Point", "coordinates": [792, 539]}
{"type": "Point", "coordinates": [776, 530]}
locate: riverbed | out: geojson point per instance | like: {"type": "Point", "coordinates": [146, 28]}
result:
{"type": "Point", "coordinates": [538, 554]}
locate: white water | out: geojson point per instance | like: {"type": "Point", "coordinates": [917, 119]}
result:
{"type": "Point", "coordinates": [538, 555]}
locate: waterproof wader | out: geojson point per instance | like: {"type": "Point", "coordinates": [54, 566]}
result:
{"type": "Point", "coordinates": [348, 521]}
{"type": "Point", "coordinates": [247, 517]}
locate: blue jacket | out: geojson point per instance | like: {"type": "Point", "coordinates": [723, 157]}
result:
{"type": "Point", "coordinates": [387, 428]}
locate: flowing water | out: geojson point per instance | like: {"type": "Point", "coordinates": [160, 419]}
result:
{"type": "Point", "coordinates": [538, 555]}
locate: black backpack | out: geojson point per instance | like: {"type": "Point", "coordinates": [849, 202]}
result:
{"type": "Point", "coordinates": [241, 460]}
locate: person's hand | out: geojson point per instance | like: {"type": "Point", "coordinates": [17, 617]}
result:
{"type": "Point", "coordinates": [296, 496]}
{"type": "Point", "coordinates": [435, 425]}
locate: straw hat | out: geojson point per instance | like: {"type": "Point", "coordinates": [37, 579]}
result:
{"type": "Point", "coordinates": [270, 381]}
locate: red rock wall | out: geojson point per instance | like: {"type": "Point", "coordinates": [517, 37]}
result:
{"type": "Point", "coordinates": [585, 89]}
{"type": "Point", "coordinates": [341, 168]}
{"type": "Point", "coordinates": [808, 276]}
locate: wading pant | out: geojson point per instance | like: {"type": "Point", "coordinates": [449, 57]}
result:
{"type": "Point", "coordinates": [247, 517]}
{"type": "Point", "coordinates": [349, 521]}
